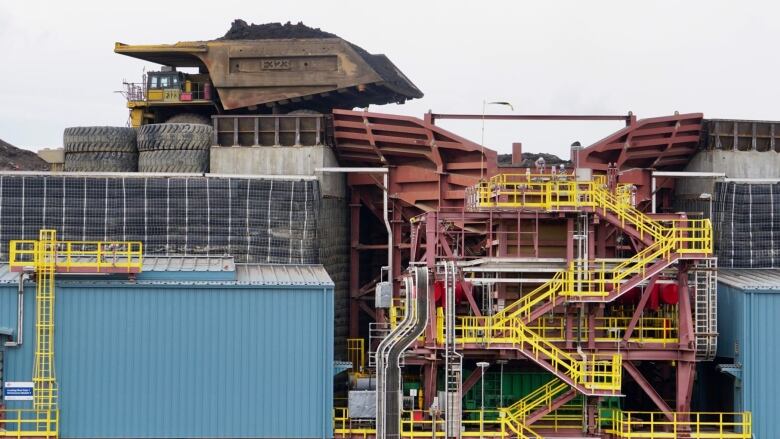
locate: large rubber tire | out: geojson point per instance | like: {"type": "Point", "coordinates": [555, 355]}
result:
{"type": "Point", "coordinates": [107, 161]}
{"type": "Point", "coordinates": [175, 161]}
{"type": "Point", "coordinates": [174, 136]}
{"type": "Point", "coordinates": [99, 139]}
{"type": "Point", "coordinates": [189, 118]}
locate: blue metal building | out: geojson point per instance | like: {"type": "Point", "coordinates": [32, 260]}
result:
{"type": "Point", "coordinates": [749, 327]}
{"type": "Point", "coordinates": [195, 347]}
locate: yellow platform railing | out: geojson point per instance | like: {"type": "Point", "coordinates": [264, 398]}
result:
{"type": "Point", "coordinates": [694, 425]}
{"type": "Point", "coordinates": [24, 423]}
{"type": "Point", "coordinates": [80, 256]}
{"type": "Point", "coordinates": [502, 424]}
{"type": "Point", "coordinates": [356, 354]}
{"type": "Point", "coordinates": [660, 330]}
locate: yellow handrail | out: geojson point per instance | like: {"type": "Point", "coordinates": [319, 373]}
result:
{"type": "Point", "coordinates": [504, 423]}
{"type": "Point", "coordinates": [694, 424]}
{"type": "Point", "coordinates": [95, 256]}
{"type": "Point", "coordinates": [20, 423]}
{"type": "Point", "coordinates": [595, 374]}
{"type": "Point", "coordinates": [356, 354]}
{"type": "Point", "coordinates": [541, 397]}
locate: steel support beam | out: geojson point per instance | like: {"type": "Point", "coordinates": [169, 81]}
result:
{"type": "Point", "coordinates": [472, 379]}
{"type": "Point", "coordinates": [640, 379]}
{"type": "Point", "coordinates": [640, 307]}
{"type": "Point", "coordinates": [565, 117]}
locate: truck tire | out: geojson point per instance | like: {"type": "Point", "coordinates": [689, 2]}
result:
{"type": "Point", "coordinates": [189, 118]}
{"type": "Point", "coordinates": [174, 136]}
{"type": "Point", "coordinates": [106, 161]}
{"type": "Point", "coordinates": [99, 139]}
{"type": "Point", "coordinates": [175, 161]}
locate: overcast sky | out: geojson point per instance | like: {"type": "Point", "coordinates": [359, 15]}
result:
{"type": "Point", "coordinates": [721, 58]}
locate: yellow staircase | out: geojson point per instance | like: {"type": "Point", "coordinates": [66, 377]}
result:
{"type": "Point", "coordinates": [537, 404]}
{"type": "Point", "coordinates": [666, 242]}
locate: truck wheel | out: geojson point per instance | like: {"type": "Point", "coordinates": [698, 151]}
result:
{"type": "Point", "coordinates": [174, 136]}
{"type": "Point", "coordinates": [189, 118]}
{"type": "Point", "coordinates": [171, 160]}
{"type": "Point", "coordinates": [99, 139]}
{"type": "Point", "coordinates": [105, 161]}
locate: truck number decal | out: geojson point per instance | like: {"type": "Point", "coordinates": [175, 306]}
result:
{"type": "Point", "coordinates": [276, 64]}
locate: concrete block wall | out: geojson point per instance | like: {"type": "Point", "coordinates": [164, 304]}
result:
{"type": "Point", "coordinates": [333, 231]}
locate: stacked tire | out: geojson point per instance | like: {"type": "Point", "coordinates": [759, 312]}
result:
{"type": "Point", "coordinates": [100, 149]}
{"type": "Point", "coordinates": [174, 147]}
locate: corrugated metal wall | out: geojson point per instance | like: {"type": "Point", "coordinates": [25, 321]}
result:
{"type": "Point", "coordinates": [187, 361]}
{"type": "Point", "coordinates": [749, 327]}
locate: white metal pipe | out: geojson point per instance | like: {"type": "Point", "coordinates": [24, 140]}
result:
{"type": "Point", "coordinates": [352, 170]}
{"type": "Point", "coordinates": [652, 193]}
{"type": "Point", "coordinates": [389, 230]}
{"type": "Point", "coordinates": [685, 174]}
{"type": "Point", "coordinates": [19, 313]}
{"type": "Point", "coordinates": [261, 176]}
{"type": "Point", "coordinates": [386, 183]}
{"type": "Point", "coordinates": [752, 180]}
{"type": "Point", "coordinates": [161, 175]}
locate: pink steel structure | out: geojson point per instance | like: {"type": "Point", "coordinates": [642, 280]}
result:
{"type": "Point", "coordinates": [429, 172]}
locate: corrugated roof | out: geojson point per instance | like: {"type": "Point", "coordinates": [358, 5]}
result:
{"type": "Point", "coordinates": [189, 263]}
{"type": "Point", "coordinates": [751, 279]}
{"type": "Point", "coordinates": [212, 270]}
{"type": "Point", "coordinates": [283, 274]}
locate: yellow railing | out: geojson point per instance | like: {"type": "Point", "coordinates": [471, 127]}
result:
{"type": "Point", "coordinates": [21, 423]}
{"type": "Point", "coordinates": [662, 330]}
{"type": "Point", "coordinates": [475, 423]}
{"type": "Point", "coordinates": [356, 354]}
{"type": "Point", "coordinates": [599, 279]}
{"type": "Point", "coordinates": [503, 423]}
{"type": "Point", "coordinates": [561, 192]}
{"type": "Point", "coordinates": [541, 397]}
{"type": "Point", "coordinates": [602, 374]}
{"type": "Point", "coordinates": [78, 256]}
{"type": "Point", "coordinates": [694, 424]}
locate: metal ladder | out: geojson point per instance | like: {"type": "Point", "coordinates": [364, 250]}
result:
{"type": "Point", "coordinates": [703, 276]}
{"type": "Point", "coordinates": [44, 377]}
{"type": "Point", "coordinates": [453, 361]}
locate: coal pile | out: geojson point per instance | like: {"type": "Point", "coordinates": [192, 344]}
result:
{"type": "Point", "coordinates": [240, 30]}
{"type": "Point", "coordinates": [529, 160]}
{"type": "Point", "coordinates": [16, 159]}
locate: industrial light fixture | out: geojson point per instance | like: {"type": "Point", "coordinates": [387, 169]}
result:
{"type": "Point", "coordinates": [482, 140]}
{"type": "Point", "coordinates": [482, 365]}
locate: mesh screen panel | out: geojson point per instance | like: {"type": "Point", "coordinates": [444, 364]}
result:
{"type": "Point", "coordinates": [261, 221]}
{"type": "Point", "coordinates": [746, 222]}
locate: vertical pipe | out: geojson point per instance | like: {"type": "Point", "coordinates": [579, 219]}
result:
{"type": "Point", "coordinates": [354, 264]}
{"type": "Point", "coordinates": [652, 192]}
{"type": "Point", "coordinates": [19, 314]}
{"type": "Point", "coordinates": [386, 181]}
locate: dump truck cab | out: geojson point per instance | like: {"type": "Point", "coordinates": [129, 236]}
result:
{"type": "Point", "coordinates": [167, 92]}
{"type": "Point", "coordinates": [260, 76]}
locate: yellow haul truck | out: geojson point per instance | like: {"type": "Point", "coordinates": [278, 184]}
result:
{"type": "Point", "coordinates": [257, 75]}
